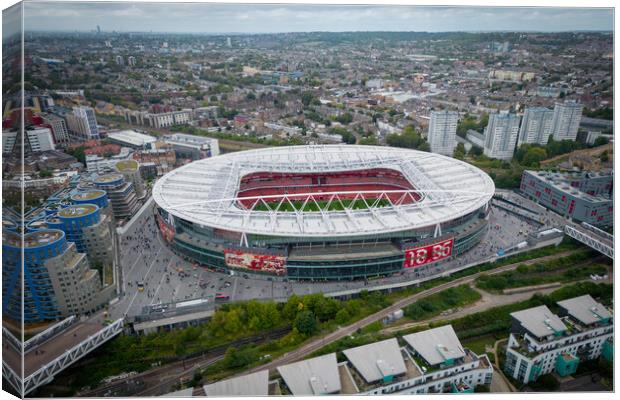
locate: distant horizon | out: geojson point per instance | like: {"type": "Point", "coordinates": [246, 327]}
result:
{"type": "Point", "coordinates": [248, 19]}
{"type": "Point", "coordinates": [305, 32]}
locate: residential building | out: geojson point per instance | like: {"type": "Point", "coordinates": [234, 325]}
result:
{"type": "Point", "coordinates": [83, 123]}
{"type": "Point", "coordinates": [442, 132]}
{"type": "Point", "coordinates": [541, 342]}
{"type": "Point", "coordinates": [101, 165]}
{"type": "Point", "coordinates": [121, 194]}
{"type": "Point", "coordinates": [432, 361]}
{"type": "Point", "coordinates": [566, 120]}
{"type": "Point", "coordinates": [536, 126]}
{"type": "Point", "coordinates": [88, 227]}
{"type": "Point", "coordinates": [58, 280]}
{"type": "Point", "coordinates": [59, 128]}
{"type": "Point", "coordinates": [160, 120]}
{"type": "Point", "coordinates": [131, 61]}
{"type": "Point", "coordinates": [39, 138]}
{"type": "Point", "coordinates": [500, 136]}
{"type": "Point", "coordinates": [130, 169]}
{"type": "Point", "coordinates": [581, 196]}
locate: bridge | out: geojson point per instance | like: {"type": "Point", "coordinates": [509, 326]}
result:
{"type": "Point", "coordinates": [52, 351]}
{"type": "Point", "coordinates": [592, 236]}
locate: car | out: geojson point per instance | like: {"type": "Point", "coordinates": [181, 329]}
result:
{"type": "Point", "coordinates": [245, 276]}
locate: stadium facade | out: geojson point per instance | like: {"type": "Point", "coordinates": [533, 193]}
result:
{"type": "Point", "coordinates": [323, 212]}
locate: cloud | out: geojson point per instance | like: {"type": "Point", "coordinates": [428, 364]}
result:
{"type": "Point", "coordinates": [228, 18]}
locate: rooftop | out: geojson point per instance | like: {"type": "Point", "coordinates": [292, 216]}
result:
{"type": "Point", "coordinates": [32, 239]}
{"type": "Point", "coordinates": [436, 345]}
{"type": "Point", "coordinates": [378, 360]}
{"type": "Point", "coordinates": [108, 178]}
{"type": "Point", "coordinates": [78, 210]}
{"type": "Point", "coordinates": [127, 165]}
{"type": "Point", "coordinates": [585, 309]}
{"type": "Point", "coordinates": [132, 137]}
{"type": "Point", "coordinates": [315, 376]}
{"type": "Point", "coordinates": [256, 384]}
{"type": "Point", "coordinates": [88, 195]}
{"type": "Point", "coordinates": [540, 321]}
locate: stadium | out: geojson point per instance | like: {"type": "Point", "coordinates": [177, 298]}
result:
{"type": "Point", "coordinates": [323, 212]}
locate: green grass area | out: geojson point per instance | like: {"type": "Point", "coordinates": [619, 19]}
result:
{"type": "Point", "coordinates": [335, 205]}
{"type": "Point", "coordinates": [479, 344]}
{"type": "Point", "coordinates": [435, 304]}
{"type": "Point", "coordinates": [566, 269]}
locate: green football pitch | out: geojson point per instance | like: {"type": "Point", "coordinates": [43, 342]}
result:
{"type": "Point", "coordinates": [312, 206]}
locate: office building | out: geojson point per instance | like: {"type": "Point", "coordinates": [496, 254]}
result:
{"type": "Point", "coordinates": [101, 165]}
{"type": "Point", "coordinates": [83, 123]}
{"type": "Point", "coordinates": [59, 128]}
{"type": "Point", "coordinates": [536, 126]}
{"type": "Point", "coordinates": [120, 193]}
{"type": "Point", "coordinates": [58, 281]}
{"type": "Point", "coordinates": [442, 132]}
{"type": "Point", "coordinates": [500, 136]}
{"type": "Point", "coordinates": [119, 60]}
{"type": "Point", "coordinates": [580, 196]}
{"type": "Point", "coordinates": [566, 120]}
{"type": "Point", "coordinates": [131, 61]}
{"type": "Point", "coordinates": [39, 138]}
{"type": "Point", "coordinates": [193, 147]}
{"type": "Point", "coordinates": [541, 342]}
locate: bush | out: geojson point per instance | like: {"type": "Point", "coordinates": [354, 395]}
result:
{"type": "Point", "coordinates": [306, 323]}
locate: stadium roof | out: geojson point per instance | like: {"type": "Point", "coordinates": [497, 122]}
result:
{"type": "Point", "coordinates": [539, 321]}
{"type": "Point", "coordinates": [436, 345]}
{"type": "Point", "coordinates": [205, 191]}
{"type": "Point", "coordinates": [378, 360]}
{"type": "Point", "coordinates": [315, 376]}
{"type": "Point", "coordinates": [585, 309]}
{"type": "Point", "coordinates": [256, 384]}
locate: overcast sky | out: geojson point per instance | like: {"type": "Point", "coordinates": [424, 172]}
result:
{"type": "Point", "coordinates": [222, 18]}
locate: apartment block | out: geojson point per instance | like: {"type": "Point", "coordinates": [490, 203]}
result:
{"type": "Point", "coordinates": [542, 342]}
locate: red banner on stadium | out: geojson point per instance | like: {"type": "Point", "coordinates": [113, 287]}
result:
{"type": "Point", "coordinates": [418, 256]}
{"type": "Point", "coordinates": [166, 230]}
{"type": "Point", "coordinates": [256, 262]}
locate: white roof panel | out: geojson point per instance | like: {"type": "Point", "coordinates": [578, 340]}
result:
{"type": "Point", "coordinates": [315, 376]}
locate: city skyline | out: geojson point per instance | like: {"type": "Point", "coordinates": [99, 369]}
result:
{"type": "Point", "coordinates": [258, 18]}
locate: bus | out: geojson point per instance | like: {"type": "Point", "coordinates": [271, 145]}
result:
{"type": "Point", "coordinates": [221, 297]}
{"type": "Point", "coordinates": [140, 286]}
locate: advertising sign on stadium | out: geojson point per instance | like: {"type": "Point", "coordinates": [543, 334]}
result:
{"type": "Point", "coordinates": [167, 231]}
{"type": "Point", "coordinates": [256, 262]}
{"type": "Point", "coordinates": [418, 256]}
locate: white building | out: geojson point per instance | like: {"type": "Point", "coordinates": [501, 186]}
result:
{"type": "Point", "coordinates": [40, 138]}
{"type": "Point", "coordinates": [442, 132]}
{"type": "Point", "coordinates": [131, 138]}
{"type": "Point", "coordinates": [500, 136]}
{"type": "Point", "coordinates": [100, 165]}
{"type": "Point", "coordinates": [566, 119]}
{"type": "Point", "coordinates": [83, 122]}
{"type": "Point", "coordinates": [536, 125]}
{"type": "Point", "coordinates": [161, 120]}
{"type": "Point", "coordinates": [192, 146]}
{"type": "Point", "coordinates": [8, 141]}
{"type": "Point", "coordinates": [541, 342]}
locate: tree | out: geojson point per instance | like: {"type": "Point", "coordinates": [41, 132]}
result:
{"type": "Point", "coordinates": [347, 136]}
{"type": "Point", "coordinates": [459, 151]}
{"type": "Point", "coordinates": [345, 119]}
{"type": "Point", "coordinates": [600, 141]}
{"type": "Point", "coordinates": [342, 316]}
{"type": "Point", "coordinates": [475, 151]}
{"type": "Point", "coordinates": [534, 156]}
{"type": "Point", "coordinates": [306, 323]}
{"type": "Point", "coordinates": [605, 156]}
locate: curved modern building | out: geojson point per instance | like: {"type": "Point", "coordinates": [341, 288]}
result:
{"type": "Point", "coordinates": [323, 212]}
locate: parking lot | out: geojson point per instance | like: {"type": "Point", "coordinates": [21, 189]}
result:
{"type": "Point", "coordinates": [153, 274]}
